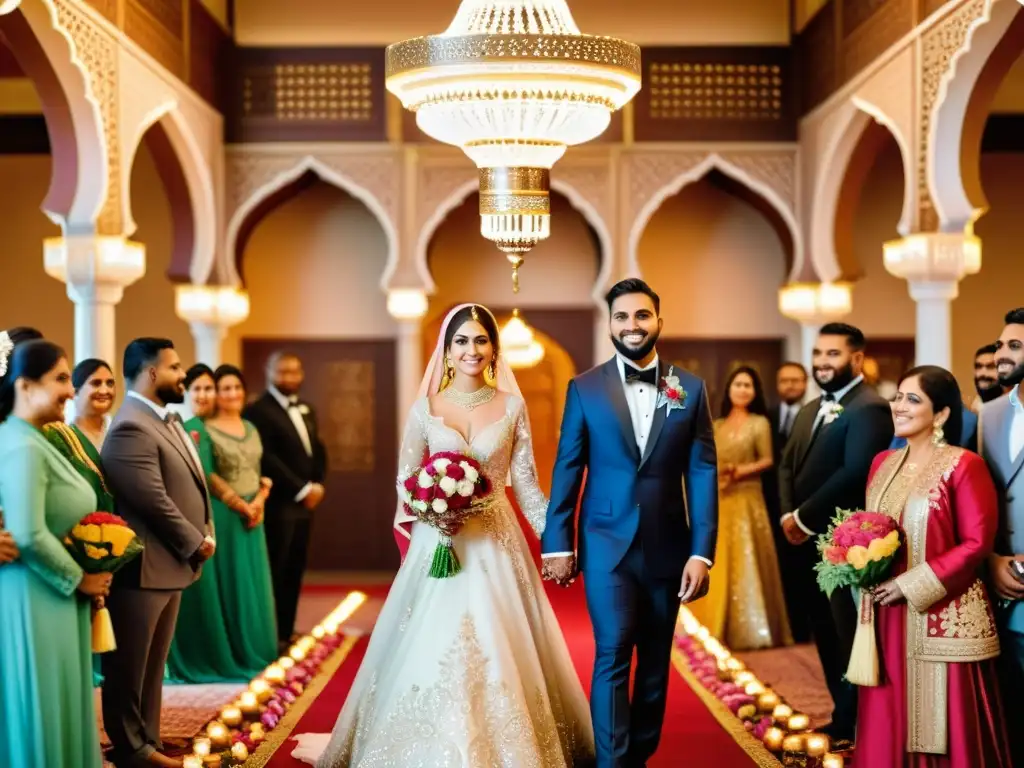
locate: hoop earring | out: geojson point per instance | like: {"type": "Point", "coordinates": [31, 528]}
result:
{"type": "Point", "coordinates": [938, 435]}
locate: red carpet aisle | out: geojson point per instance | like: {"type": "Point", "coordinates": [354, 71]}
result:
{"type": "Point", "coordinates": [693, 735]}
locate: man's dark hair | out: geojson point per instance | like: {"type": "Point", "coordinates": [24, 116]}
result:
{"type": "Point", "coordinates": [1015, 317]}
{"type": "Point", "coordinates": [632, 285]}
{"type": "Point", "coordinates": [793, 364]}
{"type": "Point", "coordinates": [854, 336]}
{"type": "Point", "coordinates": [142, 353]}
{"type": "Point", "coordinates": [988, 349]}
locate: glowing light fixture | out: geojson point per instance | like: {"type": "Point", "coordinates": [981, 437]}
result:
{"type": "Point", "coordinates": [407, 303]}
{"type": "Point", "coordinates": [815, 303]}
{"type": "Point", "coordinates": [8, 6]}
{"type": "Point", "coordinates": [518, 345]}
{"type": "Point", "coordinates": [216, 304]}
{"type": "Point", "coordinates": [513, 83]}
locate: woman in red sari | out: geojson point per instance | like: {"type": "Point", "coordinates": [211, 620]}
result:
{"type": "Point", "coordinates": [937, 703]}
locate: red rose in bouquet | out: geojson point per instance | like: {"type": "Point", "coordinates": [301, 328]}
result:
{"type": "Point", "coordinates": [444, 493]}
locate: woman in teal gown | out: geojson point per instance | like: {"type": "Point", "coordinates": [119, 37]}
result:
{"type": "Point", "coordinates": [81, 442]}
{"type": "Point", "coordinates": [47, 715]}
{"type": "Point", "coordinates": [243, 565]}
{"type": "Point", "coordinates": [201, 651]}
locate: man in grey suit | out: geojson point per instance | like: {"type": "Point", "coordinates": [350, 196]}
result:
{"type": "Point", "coordinates": [155, 474]}
{"type": "Point", "coordinates": [1002, 445]}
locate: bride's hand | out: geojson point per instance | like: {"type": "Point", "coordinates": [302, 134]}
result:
{"type": "Point", "coordinates": [888, 593]}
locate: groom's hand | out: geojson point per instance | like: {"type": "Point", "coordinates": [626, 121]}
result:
{"type": "Point", "coordinates": [695, 580]}
{"type": "Point", "coordinates": [561, 570]}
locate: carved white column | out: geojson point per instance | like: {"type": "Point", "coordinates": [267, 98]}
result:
{"type": "Point", "coordinates": [933, 265]}
{"type": "Point", "coordinates": [96, 269]}
{"type": "Point", "coordinates": [210, 310]}
{"type": "Point", "coordinates": [408, 306]}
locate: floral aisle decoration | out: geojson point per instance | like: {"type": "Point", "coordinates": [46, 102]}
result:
{"type": "Point", "coordinates": [245, 723]}
{"type": "Point", "coordinates": [764, 713]}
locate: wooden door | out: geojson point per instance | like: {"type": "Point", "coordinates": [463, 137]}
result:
{"type": "Point", "coordinates": [352, 386]}
{"type": "Point", "coordinates": [714, 359]}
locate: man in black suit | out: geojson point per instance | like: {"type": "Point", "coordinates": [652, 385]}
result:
{"type": "Point", "coordinates": [791, 386]}
{"type": "Point", "coordinates": [295, 461]}
{"type": "Point", "coordinates": [825, 466]}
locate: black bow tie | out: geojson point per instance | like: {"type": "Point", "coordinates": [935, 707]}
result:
{"type": "Point", "coordinates": [636, 376]}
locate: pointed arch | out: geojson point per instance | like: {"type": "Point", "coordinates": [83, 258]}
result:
{"type": "Point", "coordinates": [458, 196]}
{"type": "Point", "coordinates": [715, 162]}
{"type": "Point", "coordinates": [286, 184]}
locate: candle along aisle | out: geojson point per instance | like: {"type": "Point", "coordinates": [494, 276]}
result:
{"type": "Point", "coordinates": [764, 713]}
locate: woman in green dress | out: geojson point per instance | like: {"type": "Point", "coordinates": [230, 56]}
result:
{"type": "Point", "coordinates": [243, 565]}
{"type": "Point", "coordinates": [80, 443]}
{"type": "Point", "coordinates": [201, 651]}
{"type": "Point", "coordinates": [47, 715]}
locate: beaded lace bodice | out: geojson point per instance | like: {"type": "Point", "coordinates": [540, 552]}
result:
{"type": "Point", "coordinates": [504, 449]}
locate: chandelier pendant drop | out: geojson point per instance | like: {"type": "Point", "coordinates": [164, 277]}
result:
{"type": "Point", "coordinates": [513, 83]}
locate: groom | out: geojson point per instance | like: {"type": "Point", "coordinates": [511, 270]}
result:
{"type": "Point", "coordinates": [639, 428]}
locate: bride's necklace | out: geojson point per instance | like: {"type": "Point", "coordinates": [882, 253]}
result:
{"type": "Point", "coordinates": [469, 400]}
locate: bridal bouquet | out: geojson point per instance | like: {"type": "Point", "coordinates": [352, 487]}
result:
{"type": "Point", "coordinates": [102, 543]}
{"type": "Point", "coordinates": [858, 551]}
{"type": "Point", "coordinates": [441, 494]}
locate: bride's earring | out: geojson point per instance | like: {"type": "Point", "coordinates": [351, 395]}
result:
{"type": "Point", "coordinates": [938, 435]}
{"type": "Point", "coordinates": [449, 372]}
{"type": "Point", "coordinates": [491, 373]}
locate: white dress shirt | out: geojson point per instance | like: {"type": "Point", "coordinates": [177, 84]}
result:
{"type": "Point", "coordinates": [823, 407]}
{"type": "Point", "coordinates": [1016, 424]}
{"type": "Point", "coordinates": [291, 407]}
{"type": "Point", "coordinates": [641, 399]}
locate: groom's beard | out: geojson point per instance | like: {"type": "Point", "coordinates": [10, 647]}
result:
{"type": "Point", "coordinates": [636, 353]}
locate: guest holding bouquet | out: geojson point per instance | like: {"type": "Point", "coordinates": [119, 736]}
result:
{"type": "Point", "coordinates": [239, 491]}
{"type": "Point", "coordinates": [206, 656]}
{"type": "Point", "coordinates": [47, 714]}
{"type": "Point", "coordinates": [937, 700]}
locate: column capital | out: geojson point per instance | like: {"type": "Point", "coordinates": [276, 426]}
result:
{"type": "Point", "coordinates": [211, 306]}
{"type": "Point", "coordinates": [86, 262]}
{"type": "Point", "coordinates": [933, 257]}
{"type": "Point", "coordinates": [934, 290]}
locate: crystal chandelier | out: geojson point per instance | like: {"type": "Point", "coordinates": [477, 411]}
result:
{"type": "Point", "coordinates": [513, 83]}
{"type": "Point", "coordinates": [518, 345]}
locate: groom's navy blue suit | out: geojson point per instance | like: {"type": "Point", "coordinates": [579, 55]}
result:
{"type": "Point", "coordinates": [633, 543]}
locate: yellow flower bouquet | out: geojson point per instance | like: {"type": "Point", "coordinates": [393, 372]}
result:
{"type": "Point", "coordinates": [102, 543]}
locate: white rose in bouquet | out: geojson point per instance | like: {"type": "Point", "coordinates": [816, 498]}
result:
{"type": "Point", "coordinates": [466, 488]}
{"type": "Point", "coordinates": [439, 505]}
{"type": "Point", "coordinates": [449, 484]}
{"type": "Point", "coordinates": [424, 480]}
{"type": "Point", "coordinates": [471, 474]}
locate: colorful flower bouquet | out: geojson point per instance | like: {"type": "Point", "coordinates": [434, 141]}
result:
{"type": "Point", "coordinates": [441, 494]}
{"type": "Point", "coordinates": [102, 543]}
{"type": "Point", "coordinates": [858, 551]}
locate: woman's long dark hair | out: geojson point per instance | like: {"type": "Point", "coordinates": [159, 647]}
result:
{"type": "Point", "coordinates": [758, 405]}
{"type": "Point", "coordinates": [942, 389]}
{"type": "Point", "coordinates": [30, 360]}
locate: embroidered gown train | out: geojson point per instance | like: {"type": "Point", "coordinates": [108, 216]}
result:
{"type": "Point", "coordinates": [470, 671]}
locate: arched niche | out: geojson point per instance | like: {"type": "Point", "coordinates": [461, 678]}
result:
{"type": "Point", "coordinates": [259, 182]}
{"type": "Point", "coordinates": [312, 256]}
{"type": "Point", "coordinates": [716, 252]}
{"type": "Point", "coordinates": [459, 189]}
{"type": "Point", "coordinates": [560, 271]}
{"type": "Point", "coordinates": [854, 145]}
{"type": "Point", "coordinates": [46, 54]}
{"type": "Point", "coordinates": [968, 60]}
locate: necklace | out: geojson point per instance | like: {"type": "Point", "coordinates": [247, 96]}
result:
{"type": "Point", "coordinates": [469, 400]}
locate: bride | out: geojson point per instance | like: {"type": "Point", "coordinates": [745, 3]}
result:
{"type": "Point", "coordinates": [469, 671]}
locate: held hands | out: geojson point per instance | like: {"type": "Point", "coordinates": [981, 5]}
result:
{"type": "Point", "coordinates": [794, 535]}
{"type": "Point", "coordinates": [96, 584]}
{"type": "Point", "coordinates": [1005, 581]}
{"type": "Point", "coordinates": [8, 549]}
{"type": "Point", "coordinates": [561, 570]}
{"type": "Point", "coordinates": [696, 580]}
{"type": "Point", "coordinates": [888, 593]}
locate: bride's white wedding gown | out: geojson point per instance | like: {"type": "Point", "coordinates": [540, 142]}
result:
{"type": "Point", "coordinates": [470, 671]}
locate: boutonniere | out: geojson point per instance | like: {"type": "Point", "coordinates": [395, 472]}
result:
{"type": "Point", "coordinates": [304, 409]}
{"type": "Point", "coordinates": [671, 394]}
{"type": "Point", "coordinates": [834, 411]}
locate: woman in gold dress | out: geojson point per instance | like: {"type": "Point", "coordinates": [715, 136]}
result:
{"type": "Point", "coordinates": [744, 607]}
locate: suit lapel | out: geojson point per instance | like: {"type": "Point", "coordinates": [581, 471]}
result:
{"type": "Point", "coordinates": [614, 386]}
{"type": "Point", "coordinates": [166, 431]}
{"type": "Point", "coordinates": [660, 415]}
{"type": "Point", "coordinates": [806, 427]}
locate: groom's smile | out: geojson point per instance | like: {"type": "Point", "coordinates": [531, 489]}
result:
{"type": "Point", "coordinates": [635, 327]}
